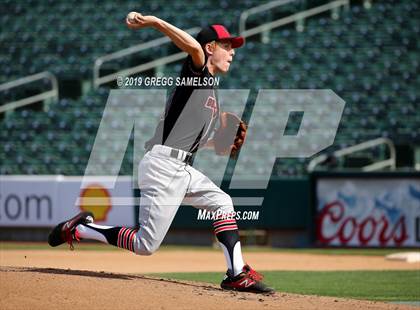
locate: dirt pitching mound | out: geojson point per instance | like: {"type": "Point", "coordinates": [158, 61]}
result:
{"type": "Point", "coordinates": [54, 288]}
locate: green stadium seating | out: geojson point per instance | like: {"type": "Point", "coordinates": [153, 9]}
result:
{"type": "Point", "coordinates": [368, 57]}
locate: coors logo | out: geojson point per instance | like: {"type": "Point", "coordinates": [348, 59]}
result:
{"type": "Point", "coordinates": [361, 230]}
{"type": "Point", "coordinates": [368, 212]}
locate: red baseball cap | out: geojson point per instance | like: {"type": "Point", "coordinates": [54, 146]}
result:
{"type": "Point", "coordinates": [216, 33]}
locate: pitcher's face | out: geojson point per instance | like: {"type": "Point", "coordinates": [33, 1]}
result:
{"type": "Point", "coordinates": [222, 56]}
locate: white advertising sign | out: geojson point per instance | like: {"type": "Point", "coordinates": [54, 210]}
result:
{"type": "Point", "coordinates": [25, 202]}
{"type": "Point", "coordinates": [368, 212]}
{"type": "Point", "coordinates": [44, 201]}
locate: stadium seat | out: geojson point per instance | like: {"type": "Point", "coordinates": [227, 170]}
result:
{"type": "Point", "coordinates": [368, 57]}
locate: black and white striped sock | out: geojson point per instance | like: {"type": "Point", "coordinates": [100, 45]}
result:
{"type": "Point", "coordinates": [227, 234]}
{"type": "Point", "coordinates": [121, 237]}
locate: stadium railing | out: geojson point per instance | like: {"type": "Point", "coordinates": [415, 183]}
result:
{"type": "Point", "coordinates": [99, 80]}
{"type": "Point", "coordinates": [53, 93]}
{"type": "Point", "coordinates": [390, 162]}
{"type": "Point", "coordinates": [298, 17]}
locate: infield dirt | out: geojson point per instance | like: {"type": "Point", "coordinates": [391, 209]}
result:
{"type": "Point", "coordinates": [43, 279]}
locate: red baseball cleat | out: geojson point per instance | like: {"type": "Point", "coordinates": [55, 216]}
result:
{"type": "Point", "coordinates": [66, 231]}
{"type": "Point", "coordinates": [247, 281]}
{"type": "Point", "coordinates": [256, 275]}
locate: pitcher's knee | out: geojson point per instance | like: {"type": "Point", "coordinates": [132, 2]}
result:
{"type": "Point", "coordinates": [229, 202]}
{"type": "Point", "coordinates": [226, 205]}
{"type": "Point", "coordinates": [145, 251]}
{"type": "Point", "coordinates": [146, 248]}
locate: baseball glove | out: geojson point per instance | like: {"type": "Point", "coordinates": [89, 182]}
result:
{"type": "Point", "coordinates": [230, 135]}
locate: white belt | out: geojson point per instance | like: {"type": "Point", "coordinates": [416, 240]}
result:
{"type": "Point", "coordinates": [170, 152]}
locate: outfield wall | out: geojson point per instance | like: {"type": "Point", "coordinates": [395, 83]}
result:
{"type": "Point", "coordinates": [44, 201]}
{"type": "Point", "coordinates": [366, 209]}
{"type": "Point", "coordinates": [326, 209]}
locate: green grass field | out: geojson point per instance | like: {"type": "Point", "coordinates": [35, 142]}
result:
{"type": "Point", "coordinates": [370, 285]}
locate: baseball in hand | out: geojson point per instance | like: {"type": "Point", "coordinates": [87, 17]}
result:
{"type": "Point", "coordinates": [131, 17]}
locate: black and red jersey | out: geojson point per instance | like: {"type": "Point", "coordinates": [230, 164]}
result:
{"type": "Point", "coordinates": [191, 112]}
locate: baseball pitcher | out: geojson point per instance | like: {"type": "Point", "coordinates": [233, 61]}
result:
{"type": "Point", "coordinates": [192, 120]}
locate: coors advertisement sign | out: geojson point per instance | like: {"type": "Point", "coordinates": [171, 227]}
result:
{"type": "Point", "coordinates": [368, 212]}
